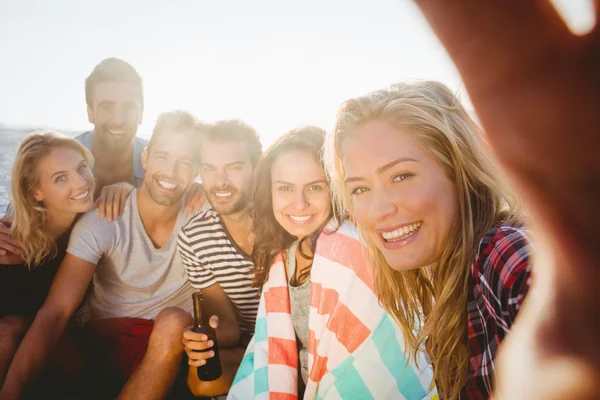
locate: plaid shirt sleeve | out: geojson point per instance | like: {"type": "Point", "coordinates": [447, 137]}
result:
{"type": "Point", "coordinates": [503, 263]}
{"type": "Point", "coordinates": [500, 280]}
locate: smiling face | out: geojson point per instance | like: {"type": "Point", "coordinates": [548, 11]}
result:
{"type": "Point", "coordinates": [66, 183]}
{"type": "Point", "coordinates": [400, 194]}
{"type": "Point", "coordinates": [170, 167]}
{"type": "Point", "coordinates": [226, 173]}
{"type": "Point", "coordinates": [116, 112]}
{"type": "Point", "coordinates": [300, 194]}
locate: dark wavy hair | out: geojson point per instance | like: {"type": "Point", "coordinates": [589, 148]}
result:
{"type": "Point", "coordinates": [270, 237]}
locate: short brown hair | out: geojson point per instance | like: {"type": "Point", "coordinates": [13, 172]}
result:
{"type": "Point", "coordinates": [234, 131]}
{"type": "Point", "coordinates": [112, 70]}
{"type": "Point", "coordinates": [178, 120]}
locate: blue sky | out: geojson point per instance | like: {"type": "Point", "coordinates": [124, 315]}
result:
{"type": "Point", "coordinates": [274, 64]}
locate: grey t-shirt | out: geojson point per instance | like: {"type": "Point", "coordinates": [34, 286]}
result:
{"type": "Point", "coordinates": [132, 277]}
{"type": "Point", "coordinates": [300, 308]}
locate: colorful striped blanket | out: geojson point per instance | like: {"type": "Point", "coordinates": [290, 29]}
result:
{"type": "Point", "coordinates": [355, 348]}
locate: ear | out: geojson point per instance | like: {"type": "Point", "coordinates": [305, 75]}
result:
{"type": "Point", "coordinates": [90, 114]}
{"type": "Point", "coordinates": [145, 158]}
{"type": "Point", "coordinates": [37, 195]}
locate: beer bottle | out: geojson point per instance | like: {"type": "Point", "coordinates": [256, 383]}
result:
{"type": "Point", "coordinates": [212, 369]}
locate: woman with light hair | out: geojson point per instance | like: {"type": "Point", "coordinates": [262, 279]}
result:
{"type": "Point", "coordinates": [443, 233]}
{"type": "Point", "coordinates": [51, 185]}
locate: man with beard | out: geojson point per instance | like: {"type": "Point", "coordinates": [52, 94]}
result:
{"type": "Point", "coordinates": [216, 245]}
{"type": "Point", "coordinates": [140, 286]}
{"type": "Point", "coordinates": [115, 104]}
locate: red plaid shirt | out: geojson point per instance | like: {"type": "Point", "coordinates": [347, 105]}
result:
{"type": "Point", "coordinates": [499, 281]}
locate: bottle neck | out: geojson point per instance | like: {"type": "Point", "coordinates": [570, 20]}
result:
{"type": "Point", "coordinates": [197, 311]}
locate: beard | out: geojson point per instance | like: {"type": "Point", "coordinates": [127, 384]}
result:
{"type": "Point", "coordinates": [238, 201]}
{"type": "Point", "coordinates": [117, 141]}
{"type": "Point", "coordinates": [160, 197]}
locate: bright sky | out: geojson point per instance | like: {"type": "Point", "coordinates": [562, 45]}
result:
{"type": "Point", "coordinates": [275, 64]}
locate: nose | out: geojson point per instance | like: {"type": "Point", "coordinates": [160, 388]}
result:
{"type": "Point", "coordinates": [222, 177]}
{"type": "Point", "coordinates": [299, 202]}
{"type": "Point", "coordinates": [171, 169]}
{"type": "Point", "coordinates": [381, 205]}
{"type": "Point", "coordinates": [79, 182]}
{"type": "Point", "coordinates": [120, 116]}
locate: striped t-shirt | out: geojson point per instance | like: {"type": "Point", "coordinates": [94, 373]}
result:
{"type": "Point", "coordinates": [210, 256]}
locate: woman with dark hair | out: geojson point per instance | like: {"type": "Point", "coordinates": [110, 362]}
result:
{"type": "Point", "coordinates": [320, 331]}
{"type": "Point", "coordinates": [286, 215]}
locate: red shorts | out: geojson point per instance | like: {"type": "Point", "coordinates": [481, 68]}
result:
{"type": "Point", "coordinates": [122, 340]}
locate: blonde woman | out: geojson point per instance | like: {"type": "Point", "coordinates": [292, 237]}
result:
{"type": "Point", "coordinates": [51, 185]}
{"type": "Point", "coordinates": [443, 234]}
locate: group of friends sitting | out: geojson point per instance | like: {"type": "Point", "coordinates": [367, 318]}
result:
{"type": "Point", "coordinates": [385, 259]}
{"type": "Point", "coordinates": [332, 266]}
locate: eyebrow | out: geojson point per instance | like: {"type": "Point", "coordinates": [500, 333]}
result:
{"type": "Point", "coordinates": [166, 153]}
{"type": "Point", "coordinates": [227, 165]}
{"type": "Point", "coordinates": [188, 159]}
{"type": "Point", "coordinates": [126, 102]}
{"type": "Point", "coordinates": [382, 169]}
{"type": "Point", "coordinates": [306, 184]}
{"type": "Point", "coordinates": [64, 172]}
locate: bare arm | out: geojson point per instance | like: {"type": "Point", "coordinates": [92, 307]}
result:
{"type": "Point", "coordinates": [216, 302]}
{"type": "Point", "coordinates": [536, 89]}
{"type": "Point", "coordinates": [195, 198]}
{"type": "Point", "coordinates": [66, 293]}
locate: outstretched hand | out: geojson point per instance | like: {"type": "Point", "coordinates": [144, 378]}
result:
{"type": "Point", "coordinates": [536, 89]}
{"type": "Point", "coordinates": [10, 252]}
{"type": "Point", "coordinates": [195, 198]}
{"type": "Point", "coordinates": [111, 202]}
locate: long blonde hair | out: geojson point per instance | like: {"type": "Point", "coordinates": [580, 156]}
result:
{"type": "Point", "coordinates": [29, 216]}
{"type": "Point", "coordinates": [434, 299]}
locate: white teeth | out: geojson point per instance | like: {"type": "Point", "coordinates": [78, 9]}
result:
{"type": "Point", "coordinates": [401, 233]}
{"type": "Point", "coordinates": [117, 132]}
{"type": "Point", "coordinates": [300, 218]}
{"type": "Point", "coordinates": [223, 194]}
{"type": "Point", "coordinates": [81, 196]}
{"type": "Point", "coordinates": [167, 185]}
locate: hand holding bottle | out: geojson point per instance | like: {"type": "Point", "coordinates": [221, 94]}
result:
{"type": "Point", "coordinates": [196, 343]}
